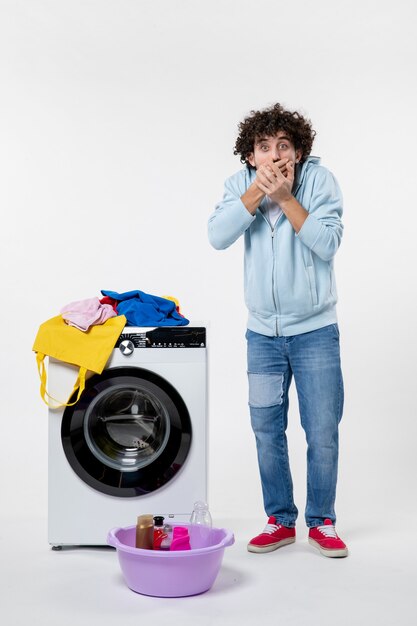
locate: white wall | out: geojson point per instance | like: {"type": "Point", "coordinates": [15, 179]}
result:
{"type": "Point", "coordinates": [117, 125]}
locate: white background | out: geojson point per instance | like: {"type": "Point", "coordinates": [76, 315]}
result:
{"type": "Point", "coordinates": [117, 126]}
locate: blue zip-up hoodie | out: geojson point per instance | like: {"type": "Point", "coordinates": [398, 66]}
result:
{"type": "Point", "coordinates": [289, 279]}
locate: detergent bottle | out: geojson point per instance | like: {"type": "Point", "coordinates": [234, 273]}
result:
{"type": "Point", "coordinates": [162, 535]}
{"type": "Point", "coordinates": [180, 539]}
{"type": "Point", "coordinates": [159, 532]}
{"type": "Point", "coordinates": [144, 532]}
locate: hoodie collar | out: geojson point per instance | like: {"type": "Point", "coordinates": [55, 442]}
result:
{"type": "Point", "coordinates": [301, 171]}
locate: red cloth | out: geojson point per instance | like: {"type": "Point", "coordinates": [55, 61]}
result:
{"type": "Point", "coordinates": [111, 301]}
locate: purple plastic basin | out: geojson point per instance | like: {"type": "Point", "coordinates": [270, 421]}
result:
{"type": "Point", "coordinates": [171, 574]}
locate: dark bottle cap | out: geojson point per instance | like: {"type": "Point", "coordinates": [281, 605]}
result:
{"type": "Point", "coordinates": [159, 520]}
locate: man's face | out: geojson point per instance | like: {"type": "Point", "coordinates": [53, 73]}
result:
{"type": "Point", "coordinates": [270, 149]}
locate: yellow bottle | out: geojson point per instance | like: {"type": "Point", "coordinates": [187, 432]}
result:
{"type": "Point", "coordinates": [144, 532]}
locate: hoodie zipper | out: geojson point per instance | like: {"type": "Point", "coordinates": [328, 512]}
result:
{"type": "Point", "coordinates": [276, 304]}
{"type": "Point", "coordinates": [273, 284]}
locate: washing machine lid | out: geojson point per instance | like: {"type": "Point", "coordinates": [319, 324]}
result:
{"type": "Point", "coordinates": [129, 434]}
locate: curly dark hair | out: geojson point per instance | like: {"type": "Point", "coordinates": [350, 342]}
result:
{"type": "Point", "coordinates": [267, 123]}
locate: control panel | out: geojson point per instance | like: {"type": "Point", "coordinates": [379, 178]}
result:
{"type": "Point", "coordinates": [170, 337]}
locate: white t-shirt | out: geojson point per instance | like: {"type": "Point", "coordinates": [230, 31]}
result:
{"type": "Point", "coordinates": [273, 211]}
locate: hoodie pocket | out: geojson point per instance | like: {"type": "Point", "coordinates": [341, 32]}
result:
{"type": "Point", "coordinates": [313, 285]}
{"type": "Point", "coordinates": [311, 274]}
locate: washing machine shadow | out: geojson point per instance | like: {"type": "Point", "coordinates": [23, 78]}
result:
{"type": "Point", "coordinates": [84, 548]}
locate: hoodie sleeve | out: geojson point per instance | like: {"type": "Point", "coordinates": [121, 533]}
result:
{"type": "Point", "coordinates": [322, 231]}
{"type": "Point", "coordinates": [230, 218]}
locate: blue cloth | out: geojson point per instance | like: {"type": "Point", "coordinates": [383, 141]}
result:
{"type": "Point", "coordinates": [314, 361]}
{"type": "Point", "coordinates": [143, 309]}
{"type": "Point", "coordinates": [289, 279]}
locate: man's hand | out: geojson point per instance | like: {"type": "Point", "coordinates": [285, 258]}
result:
{"type": "Point", "coordinates": [277, 184]}
{"type": "Point", "coordinates": [276, 180]}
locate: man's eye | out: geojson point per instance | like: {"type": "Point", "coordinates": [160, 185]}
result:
{"type": "Point", "coordinates": [264, 148]}
{"type": "Point", "coordinates": [283, 146]}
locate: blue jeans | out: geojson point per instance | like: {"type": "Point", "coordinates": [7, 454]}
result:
{"type": "Point", "coordinates": [314, 360]}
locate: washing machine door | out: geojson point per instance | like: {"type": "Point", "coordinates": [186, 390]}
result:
{"type": "Point", "coordinates": [129, 434]}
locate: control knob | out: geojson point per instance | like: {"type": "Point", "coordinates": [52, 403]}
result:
{"type": "Point", "coordinates": [126, 347]}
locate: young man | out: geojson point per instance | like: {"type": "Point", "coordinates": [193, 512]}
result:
{"type": "Point", "coordinates": [289, 208]}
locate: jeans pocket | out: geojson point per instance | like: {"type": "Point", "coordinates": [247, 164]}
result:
{"type": "Point", "coordinates": [265, 390]}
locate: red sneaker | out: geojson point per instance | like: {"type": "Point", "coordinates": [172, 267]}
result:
{"type": "Point", "coordinates": [272, 537]}
{"type": "Point", "coordinates": [326, 540]}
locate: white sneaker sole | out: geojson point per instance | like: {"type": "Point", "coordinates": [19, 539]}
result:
{"type": "Point", "coordinates": [329, 553]}
{"type": "Point", "coordinates": [271, 547]}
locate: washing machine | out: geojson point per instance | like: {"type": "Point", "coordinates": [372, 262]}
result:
{"type": "Point", "coordinates": [135, 442]}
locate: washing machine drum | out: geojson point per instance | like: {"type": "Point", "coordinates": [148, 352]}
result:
{"type": "Point", "coordinates": [129, 434]}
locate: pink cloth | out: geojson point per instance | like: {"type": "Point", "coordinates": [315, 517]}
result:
{"type": "Point", "coordinates": [85, 313]}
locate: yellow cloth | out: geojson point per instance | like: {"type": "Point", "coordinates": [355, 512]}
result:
{"type": "Point", "coordinates": [172, 300]}
{"type": "Point", "coordinates": [177, 304]}
{"type": "Point", "coordinates": [88, 350]}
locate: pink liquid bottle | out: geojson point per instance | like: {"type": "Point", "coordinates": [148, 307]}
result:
{"type": "Point", "coordinates": [180, 538]}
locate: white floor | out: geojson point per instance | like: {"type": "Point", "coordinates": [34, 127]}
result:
{"type": "Point", "coordinates": [375, 585]}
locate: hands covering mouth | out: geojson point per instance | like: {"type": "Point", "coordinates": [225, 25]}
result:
{"type": "Point", "coordinates": [275, 179]}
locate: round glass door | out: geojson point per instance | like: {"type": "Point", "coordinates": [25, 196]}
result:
{"type": "Point", "coordinates": [129, 434]}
